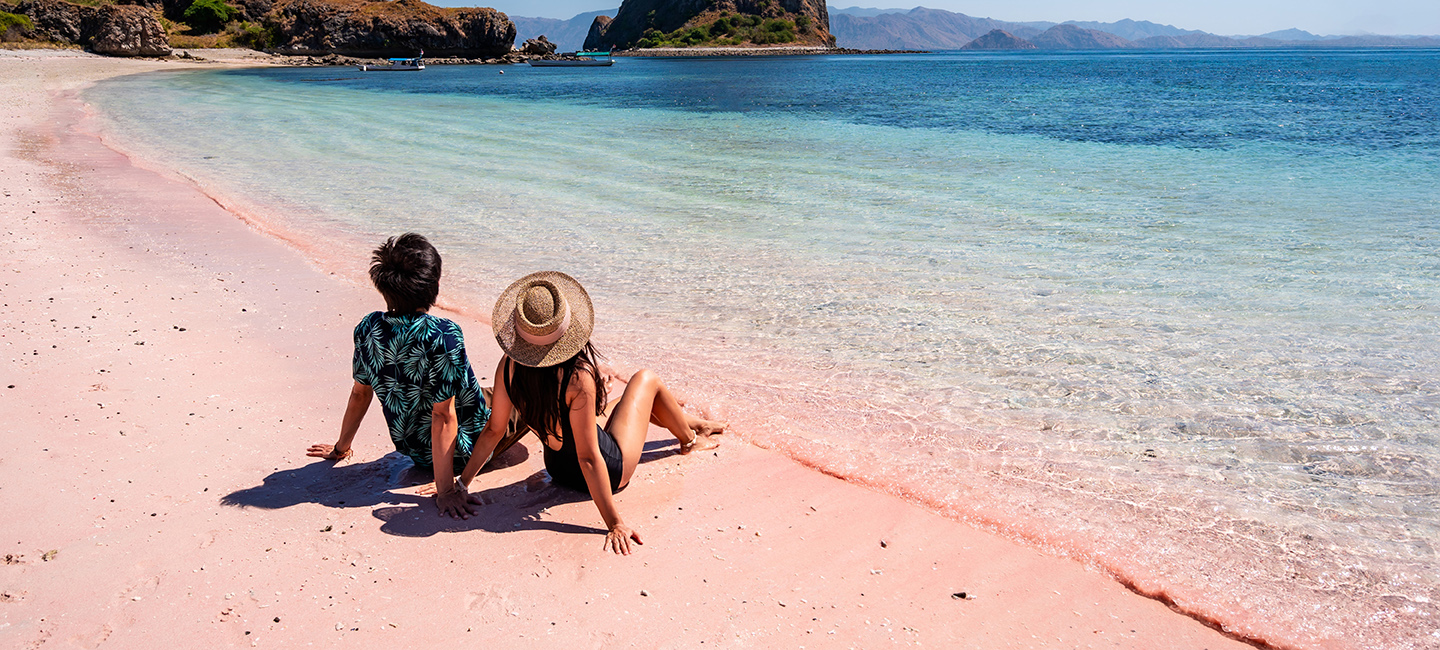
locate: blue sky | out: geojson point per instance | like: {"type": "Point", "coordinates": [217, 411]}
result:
{"type": "Point", "coordinates": [1215, 16]}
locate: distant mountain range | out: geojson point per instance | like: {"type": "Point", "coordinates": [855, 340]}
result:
{"type": "Point", "coordinates": [567, 35]}
{"type": "Point", "coordinates": [922, 28]}
{"type": "Point", "coordinates": [935, 29]}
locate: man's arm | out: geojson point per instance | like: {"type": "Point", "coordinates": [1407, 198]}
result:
{"type": "Point", "coordinates": [444, 429]}
{"type": "Point", "coordinates": [360, 397]}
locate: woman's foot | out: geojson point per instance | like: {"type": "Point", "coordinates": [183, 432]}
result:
{"type": "Point", "coordinates": [708, 427]}
{"type": "Point", "coordinates": [703, 432]}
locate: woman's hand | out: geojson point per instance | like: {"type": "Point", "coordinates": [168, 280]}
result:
{"type": "Point", "coordinates": [328, 452]}
{"type": "Point", "coordinates": [456, 503]}
{"type": "Point", "coordinates": [618, 539]}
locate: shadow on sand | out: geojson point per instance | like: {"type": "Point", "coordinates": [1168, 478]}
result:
{"type": "Point", "coordinates": [504, 508]}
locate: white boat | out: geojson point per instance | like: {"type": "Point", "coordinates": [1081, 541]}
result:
{"type": "Point", "coordinates": [396, 65]}
{"type": "Point", "coordinates": [576, 60]}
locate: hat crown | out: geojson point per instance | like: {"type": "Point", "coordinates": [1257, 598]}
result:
{"type": "Point", "coordinates": [541, 305]}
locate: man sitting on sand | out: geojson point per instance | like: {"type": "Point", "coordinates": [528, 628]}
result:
{"type": "Point", "coordinates": [417, 365]}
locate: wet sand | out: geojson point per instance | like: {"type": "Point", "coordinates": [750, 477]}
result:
{"type": "Point", "coordinates": [167, 364]}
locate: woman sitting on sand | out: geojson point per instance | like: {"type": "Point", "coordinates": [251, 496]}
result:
{"type": "Point", "coordinates": [550, 377]}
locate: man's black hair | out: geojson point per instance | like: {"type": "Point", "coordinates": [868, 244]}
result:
{"type": "Point", "coordinates": [406, 270]}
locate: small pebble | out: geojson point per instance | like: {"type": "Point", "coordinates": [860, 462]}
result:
{"type": "Point", "coordinates": [884, 544]}
{"type": "Point", "coordinates": [277, 619]}
{"type": "Point", "coordinates": [644, 593]}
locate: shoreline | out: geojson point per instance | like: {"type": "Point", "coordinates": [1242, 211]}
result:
{"type": "Point", "coordinates": [807, 50]}
{"type": "Point", "coordinates": [275, 498]}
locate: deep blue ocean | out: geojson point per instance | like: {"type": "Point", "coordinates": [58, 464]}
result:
{"type": "Point", "coordinates": [1176, 314]}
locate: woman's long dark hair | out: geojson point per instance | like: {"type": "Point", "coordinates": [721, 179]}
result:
{"type": "Point", "coordinates": [539, 397]}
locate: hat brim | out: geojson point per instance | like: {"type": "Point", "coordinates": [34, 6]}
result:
{"type": "Point", "coordinates": [582, 322]}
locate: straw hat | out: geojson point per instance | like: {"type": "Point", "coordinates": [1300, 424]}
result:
{"type": "Point", "coordinates": [543, 318]}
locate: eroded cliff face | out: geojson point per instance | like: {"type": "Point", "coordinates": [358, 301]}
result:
{"type": "Point", "coordinates": [649, 20]}
{"type": "Point", "coordinates": [400, 28]}
{"type": "Point", "coordinates": [365, 28]}
{"type": "Point", "coordinates": [116, 30]}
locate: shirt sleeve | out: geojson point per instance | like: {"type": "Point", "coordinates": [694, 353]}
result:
{"type": "Point", "coordinates": [361, 366]}
{"type": "Point", "coordinates": [448, 363]}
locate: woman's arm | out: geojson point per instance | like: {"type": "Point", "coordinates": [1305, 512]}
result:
{"type": "Point", "coordinates": [592, 464]}
{"type": "Point", "coordinates": [456, 500]}
{"type": "Point", "coordinates": [355, 408]}
{"type": "Point", "coordinates": [495, 428]}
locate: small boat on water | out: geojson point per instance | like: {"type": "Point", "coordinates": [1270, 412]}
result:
{"type": "Point", "coordinates": [396, 65]}
{"type": "Point", "coordinates": [576, 60]}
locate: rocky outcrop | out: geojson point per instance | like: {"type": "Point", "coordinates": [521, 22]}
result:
{"type": "Point", "coordinates": [539, 46]}
{"type": "Point", "coordinates": [998, 39]}
{"type": "Point", "coordinates": [116, 30]}
{"type": "Point", "coordinates": [596, 38]}
{"type": "Point", "coordinates": [128, 31]}
{"type": "Point", "coordinates": [636, 17]}
{"type": "Point", "coordinates": [400, 28]}
{"type": "Point", "coordinates": [1070, 37]}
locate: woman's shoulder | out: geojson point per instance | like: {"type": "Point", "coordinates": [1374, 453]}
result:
{"type": "Point", "coordinates": [581, 383]}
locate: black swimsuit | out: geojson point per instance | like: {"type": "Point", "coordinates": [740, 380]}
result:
{"type": "Point", "coordinates": [564, 465]}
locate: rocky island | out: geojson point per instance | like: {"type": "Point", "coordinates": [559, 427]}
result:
{"type": "Point", "coordinates": [998, 39]}
{"type": "Point", "coordinates": [713, 23]}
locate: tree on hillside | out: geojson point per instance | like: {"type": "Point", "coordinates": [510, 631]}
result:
{"type": "Point", "coordinates": [209, 16]}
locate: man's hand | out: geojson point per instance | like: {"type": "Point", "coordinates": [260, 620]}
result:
{"type": "Point", "coordinates": [456, 503]}
{"type": "Point", "coordinates": [619, 538]}
{"type": "Point", "coordinates": [328, 452]}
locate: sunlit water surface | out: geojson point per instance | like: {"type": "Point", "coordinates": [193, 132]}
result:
{"type": "Point", "coordinates": [1172, 314]}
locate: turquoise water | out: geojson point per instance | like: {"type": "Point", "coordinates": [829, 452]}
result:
{"type": "Point", "coordinates": [1172, 314]}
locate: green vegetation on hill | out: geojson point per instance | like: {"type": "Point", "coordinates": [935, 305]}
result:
{"type": "Point", "coordinates": [12, 25]}
{"type": "Point", "coordinates": [209, 16]}
{"type": "Point", "coordinates": [729, 30]}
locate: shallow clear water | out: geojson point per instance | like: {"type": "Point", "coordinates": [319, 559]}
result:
{"type": "Point", "coordinates": [1172, 314]}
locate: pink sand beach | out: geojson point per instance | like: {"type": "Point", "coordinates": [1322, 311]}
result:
{"type": "Point", "coordinates": [167, 363]}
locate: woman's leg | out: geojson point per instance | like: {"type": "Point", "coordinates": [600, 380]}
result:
{"type": "Point", "coordinates": [647, 400]}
